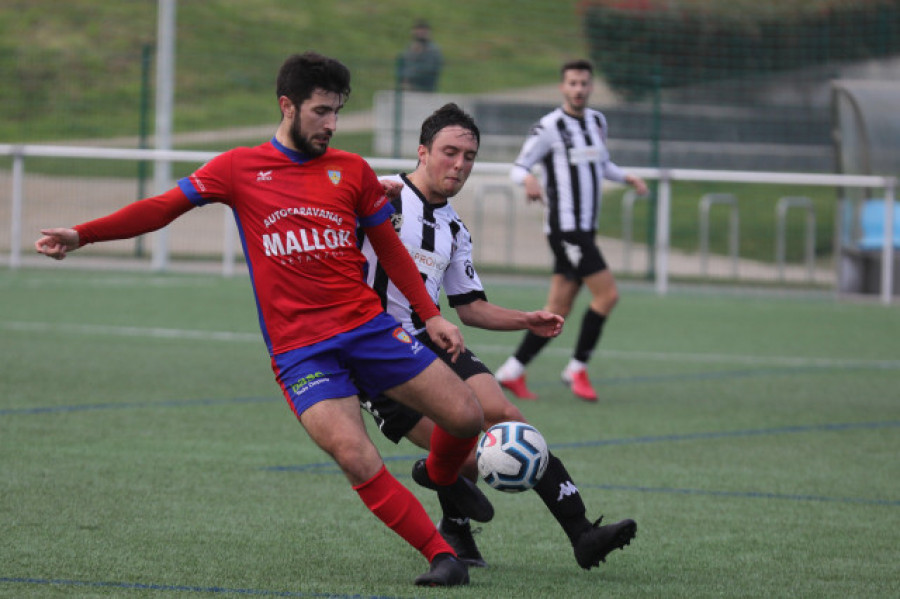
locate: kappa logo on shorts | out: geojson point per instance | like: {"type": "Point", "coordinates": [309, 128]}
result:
{"type": "Point", "coordinates": [401, 335]}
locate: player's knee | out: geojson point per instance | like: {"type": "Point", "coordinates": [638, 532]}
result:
{"type": "Point", "coordinates": [452, 404]}
{"type": "Point", "coordinates": [357, 458]}
{"type": "Point", "coordinates": [605, 302]}
{"type": "Point", "coordinates": [474, 422]}
{"type": "Point", "coordinates": [469, 418]}
{"type": "Point", "coordinates": [505, 412]}
{"type": "Point", "coordinates": [613, 298]}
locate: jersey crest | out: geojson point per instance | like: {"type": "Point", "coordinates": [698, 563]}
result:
{"type": "Point", "coordinates": [335, 176]}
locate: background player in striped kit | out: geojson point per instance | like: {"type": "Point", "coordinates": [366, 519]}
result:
{"type": "Point", "coordinates": [441, 247]}
{"type": "Point", "coordinates": [570, 143]}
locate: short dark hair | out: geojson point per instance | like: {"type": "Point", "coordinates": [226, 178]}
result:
{"type": "Point", "coordinates": [302, 74]}
{"type": "Point", "coordinates": [447, 115]}
{"type": "Point", "coordinates": [576, 65]}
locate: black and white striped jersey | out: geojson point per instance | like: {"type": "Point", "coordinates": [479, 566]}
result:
{"type": "Point", "coordinates": [575, 158]}
{"type": "Point", "coordinates": [441, 247]}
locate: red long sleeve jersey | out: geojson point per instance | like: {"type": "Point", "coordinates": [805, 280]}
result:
{"type": "Point", "coordinates": [297, 220]}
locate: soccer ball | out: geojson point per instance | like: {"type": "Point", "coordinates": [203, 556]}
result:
{"type": "Point", "coordinates": [512, 456]}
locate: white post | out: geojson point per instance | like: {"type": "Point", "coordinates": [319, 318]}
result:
{"type": "Point", "coordinates": [15, 217]}
{"type": "Point", "coordinates": [887, 250]}
{"type": "Point", "coordinates": [663, 213]}
{"type": "Point", "coordinates": [165, 92]}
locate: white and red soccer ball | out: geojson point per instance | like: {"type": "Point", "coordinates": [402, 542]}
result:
{"type": "Point", "coordinates": [512, 456]}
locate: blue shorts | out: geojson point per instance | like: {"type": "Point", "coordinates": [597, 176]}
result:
{"type": "Point", "coordinates": [395, 419]}
{"type": "Point", "coordinates": [375, 356]}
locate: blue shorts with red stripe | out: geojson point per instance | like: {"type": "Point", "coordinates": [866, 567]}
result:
{"type": "Point", "coordinates": [375, 356]}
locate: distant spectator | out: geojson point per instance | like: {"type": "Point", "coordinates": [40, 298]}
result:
{"type": "Point", "coordinates": [419, 66]}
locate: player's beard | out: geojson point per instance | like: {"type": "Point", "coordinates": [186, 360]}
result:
{"type": "Point", "coordinates": [302, 143]}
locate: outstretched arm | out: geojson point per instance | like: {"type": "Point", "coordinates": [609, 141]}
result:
{"type": "Point", "coordinates": [485, 315]}
{"type": "Point", "coordinates": [134, 219]}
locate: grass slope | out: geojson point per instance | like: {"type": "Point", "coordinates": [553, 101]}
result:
{"type": "Point", "coordinates": [78, 64]}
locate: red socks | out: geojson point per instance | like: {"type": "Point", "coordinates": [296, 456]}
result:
{"type": "Point", "coordinates": [396, 506]}
{"type": "Point", "coordinates": [447, 455]}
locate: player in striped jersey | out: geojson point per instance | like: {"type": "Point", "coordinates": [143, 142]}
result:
{"type": "Point", "coordinates": [441, 247]}
{"type": "Point", "coordinates": [570, 144]}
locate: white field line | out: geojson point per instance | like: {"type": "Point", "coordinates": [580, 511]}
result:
{"type": "Point", "coordinates": [718, 358]}
{"type": "Point", "coordinates": [119, 331]}
{"type": "Point", "coordinates": [43, 282]}
{"type": "Point", "coordinates": [674, 357]}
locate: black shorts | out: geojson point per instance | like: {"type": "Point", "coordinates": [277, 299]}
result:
{"type": "Point", "coordinates": [575, 254]}
{"type": "Point", "coordinates": [393, 418]}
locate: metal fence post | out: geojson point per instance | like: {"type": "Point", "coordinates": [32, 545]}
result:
{"type": "Point", "coordinates": [15, 217]}
{"type": "Point", "coordinates": [663, 227]}
{"type": "Point", "coordinates": [887, 250]}
{"type": "Point", "coordinates": [706, 201]}
{"type": "Point", "coordinates": [628, 200]}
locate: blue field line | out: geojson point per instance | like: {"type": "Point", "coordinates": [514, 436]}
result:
{"type": "Point", "coordinates": [170, 403]}
{"type": "Point", "coordinates": [781, 430]}
{"type": "Point", "coordinates": [745, 494]}
{"type": "Point", "coordinates": [136, 586]}
{"type": "Point", "coordinates": [331, 467]}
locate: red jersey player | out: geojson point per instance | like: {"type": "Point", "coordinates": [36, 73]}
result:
{"type": "Point", "coordinates": [297, 204]}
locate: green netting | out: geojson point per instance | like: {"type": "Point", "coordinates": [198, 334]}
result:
{"type": "Point", "coordinates": [641, 45]}
{"type": "Point", "coordinates": [736, 85]}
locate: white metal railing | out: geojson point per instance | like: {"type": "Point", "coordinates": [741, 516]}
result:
{"type": "Point", "coordinates": [664, 176]}
{"type": "Point", "coordinates": [706, 202]}
{"type": "Point", "coordinates": [809, 242]}
{"type": "Point", "coordinates": [482, 192]}
{"type": "Point", "coordinates": [629, 198]}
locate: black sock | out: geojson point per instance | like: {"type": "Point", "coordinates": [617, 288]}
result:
{"type": "Point", "coordinates": [530, 347]}
{"type": "Point", "coordinates": [562, 498]}
{"type": "Point", "coordinates": [591, 328]}
{"type": "Point", "coordinates": [452, 513]}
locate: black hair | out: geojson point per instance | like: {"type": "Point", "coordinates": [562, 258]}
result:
{"type": "Point", "coordinates": [302, 74]}
{"type": "Point", "coordinates": [576, 65]}
{"type": "Point", "coordinates": [447, 115]}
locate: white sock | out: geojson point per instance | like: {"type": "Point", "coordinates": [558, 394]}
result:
{"type": "Point", "coordinates": [575, 365]}
{"type": "Point", "coordinates": [511, 369]}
